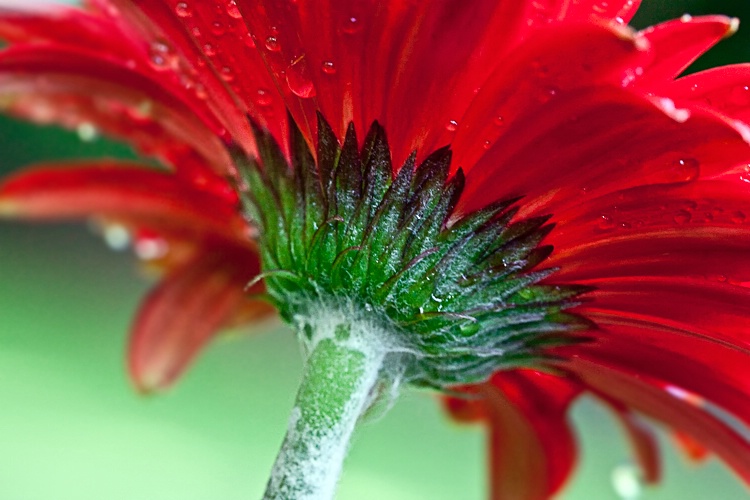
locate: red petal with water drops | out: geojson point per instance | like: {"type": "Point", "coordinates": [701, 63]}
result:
{"type": "Point", "coordinates": [191, 304]}
{"type": "Point", "coordinates": [651, 398]}
{"type": "Point", "coordinates": [726, 89]}
{"type": "Point", "coordinates": [619, 11]}
{"type": "Point", "coordinates": [698, 228]}
{"type": "Point", "coordinates": [676, 44]}
{"type": "Point", "coordinates": [630, 141]}
{"type": "Point", "coordinates": [120, 191]}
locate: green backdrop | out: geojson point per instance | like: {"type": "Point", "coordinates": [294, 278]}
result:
{"type": "Point", "coordinates": [71, 427]}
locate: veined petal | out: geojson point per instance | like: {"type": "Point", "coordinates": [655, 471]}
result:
{"type": "Point", "coordinates": [122, 191]}
{"type": "Point", "coordinates": [188, 307]}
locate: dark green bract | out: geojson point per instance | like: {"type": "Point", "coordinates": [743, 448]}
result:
{"type": "Point", "coordinates": [463, 297]}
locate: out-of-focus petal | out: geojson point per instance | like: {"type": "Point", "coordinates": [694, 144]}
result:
{"type": "Point", "coordinates": [193, 302]}
{"type": "Point", "coordinates": [121, 191]}
{"type": "Point", "coordinates": [642, 440]}
{"type": "Point", "coordinates": [531, 446]}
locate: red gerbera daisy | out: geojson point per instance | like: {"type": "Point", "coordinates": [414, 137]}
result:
{"type": "Point", "coordinates": [511, 202]}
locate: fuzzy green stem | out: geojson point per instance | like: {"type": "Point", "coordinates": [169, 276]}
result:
{"type": "Point", "coordinates": [337, 386]}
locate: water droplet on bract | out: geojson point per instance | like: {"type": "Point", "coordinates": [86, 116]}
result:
{"type": "Point", "coordinates": [233, 10]}
{"type": "Point", "coordinates": [263, 97]}
{"type": "Point", "coordinates": [686, 169]}
{"type": "Point", "coordinates": [272, 44]}
{"type": "Point", "coordinates": [451, 126]}
{"type": "Point", "coordinates": [738, 217]}
{"type": "Point", "coordinates": [87, 131]}
{"type": "Point", "coordinates": [328, 68]}
{"type": "Point", "coordinates": [606, 222]}
{"type": "Point", "coordinates": [351, 25]}
{"type": "Point", "coordinates": [182, 9]}
{"type": "Point", "coordinates": [683, 217]}
{"type": "Point", "coordinates": [627, 481]}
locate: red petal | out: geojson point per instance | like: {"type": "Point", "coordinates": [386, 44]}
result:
{"type": "Point", "coordinates": [642, 439]}
{"type": "Point", "coordinates": [191, 304]}
{"type": "Point", "coordinates": [120, 191]}
{"type": "Point", "coordinates": [726, 88]}
{"type": "Point", "coordinates": [532, 448]}
{"type": "Point", "coordinates": [697, 227]}
{"type": "Point", "coordinates": [676, 44]}
{"type": "Point", "coordinates": [651, 399]}
{"type": "Point", "coordinates": [604, 140]}
{"type": "Point", "coordinates": [692, 448]}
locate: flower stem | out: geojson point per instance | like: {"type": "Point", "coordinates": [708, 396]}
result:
{"type": "Point", "coordinates": [336, 389]}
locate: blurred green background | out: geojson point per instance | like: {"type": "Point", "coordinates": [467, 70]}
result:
{"type": "Point", "coordinates": [71, 427]}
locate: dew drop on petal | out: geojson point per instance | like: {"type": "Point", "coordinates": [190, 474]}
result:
{"type": "Point", "coordinates": [182, 9]}
{"type": "Point", "coordinates": [298, 81]}
{"type": "Point", "coordinates": [218, 28]}
{"type": "Point", "coordinates": [272, 44]}
{"type": "Point", "coordinates": [683, 217]}
{"type": "Point", "coordinates": [499, 121]}
{"type": "Point", "coordinates": [686, 18]}
{"type": "Point", "coordinates": [351, 25]}
{"type": "Point", "coordinates": [606, 222]}
{"type": "Point", "coordinates": [209, 50]}
{"type": "Point", "coordinates": [451, 126]}
{"type": "Point", "coordinates": [160, 55]}
{"type": "Point", "coordinates": [328, 67]}
{"type": "Point", "coordinates": [226, 74]}
{"type": "Point", "coordinates": [686, 169]}
{"type": "Point", "coordinates": [233, 10]}
{"type": "Point", "coordinates": [627, 481]}
{"type": "Point", "coordinates": [740, 96]}
{"type": "Point", "coordinates": [263, 97]}
{"type": "Point", "coordinates": [601, 7]}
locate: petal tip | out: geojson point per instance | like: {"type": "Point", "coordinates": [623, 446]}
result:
{"type": "Point", "coordinates": [734, 25]}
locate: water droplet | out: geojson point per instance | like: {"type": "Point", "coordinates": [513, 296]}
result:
{"type": "Point", "coordinates": [300, 85]}
{"type": "Point", "coordinates": [226, 74]}
{"type": "Point", "coordinates": [738, 217]}
{"type": "Point", "coordinates": [87, 131]}
{"type": "Point", "coordinates": [182, 9]}
{"type": "Point", "coordinates": [200, 91]}
{"type": "Point", "coordinates": [627, 481]}
{"type": "Point", "coordinates": [151, 248]}
{"type": "Point", "coordinates": [686, 169]}
{"type": "Point", "coordinates": [209, 50]}
{"type": "Point", "coordinates": [263, 97]}
{"type": "Point", "coordinates": [606, 222]}
{"type": "Point", "coordinates": [740, 96]}
{"type": "Point", "coordinates": [686, 18]}
{"type": "Point", "coordinates": [160, 55]}
{"type": "Point", "coordinates": [487, 144]}
{"type": "Point", "coordinates": [196, 31]}
{"type": "Point", "coordinates": [249, 41]}
{"type": "Point", "coordinates": [683, 217]}
{"type": "Point", "coordinates": [218, 28]}
{"type": "Point", "coordinates": [233, 10]}
{"type": "Point", "coordinates": [451, 126]}
{"type": "Point", "coordinates": [328, 67]}
{"type": "Point", "coordinates": [499, 121]}
{"type": "Point", "coordinates": [351, 25]}
{"type": "Point", "coordinates": [272, 44]}
{"type": "Point", "coordinates": [601, 7]}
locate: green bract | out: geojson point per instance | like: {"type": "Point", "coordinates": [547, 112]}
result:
{"type": "Point", "coordinates": [462, 295]}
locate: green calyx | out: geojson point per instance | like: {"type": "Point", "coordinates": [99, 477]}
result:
{"type": "Point", "coordinates": [462, 298]}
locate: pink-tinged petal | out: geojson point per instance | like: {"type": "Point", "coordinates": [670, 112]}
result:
{"type": "Point", "coordinates": [642, 440]}
{"type": "Point", "coordinates": [193, 302]}
{"type": "Point", "coordinates": [119, 191]}
{"type": "Point", "coordinates": [629, 141]}
{"type": "Point", "coordinates": [677, 44]}
{"type": "Point", "coordinates": [694, 450]}
{"type": "Point", "coordinates": [697, 229]}
{"type": "Point", "coordinates": [653, 399]}
{"type": "Point", "coordinates": [532, 448]}
{"type": "Point", "coordinates": [726, 89]}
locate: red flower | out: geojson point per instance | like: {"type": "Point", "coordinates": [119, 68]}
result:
{"type": "Point", "coordinates": [558, 102]}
